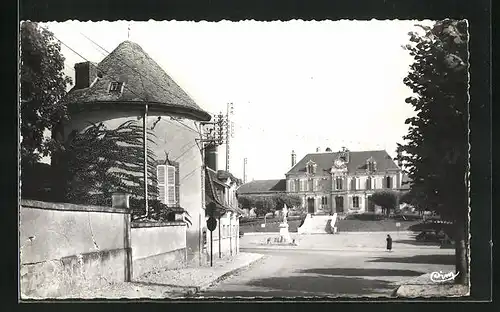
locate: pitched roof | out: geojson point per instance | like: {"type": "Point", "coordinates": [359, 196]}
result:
{"type": "Point", "coordinates": [262, 186]}
{"type": "Point", "coordinates": [212, 197]}
{"type": "Point", "coordinates": [357, 161]}
{"type": "Point", "coordinates": [144, 80]}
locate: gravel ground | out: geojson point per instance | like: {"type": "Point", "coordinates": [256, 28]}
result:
{"type": "Point", "coordinates": [164, 283]}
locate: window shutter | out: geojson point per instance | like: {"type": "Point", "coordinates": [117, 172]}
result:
{"type": "Point", "coordinates": [161, 173]}
{"type": "Point", "coordinates": [177, 185]}
{"type": "Point", "coordinates": [171, 200]}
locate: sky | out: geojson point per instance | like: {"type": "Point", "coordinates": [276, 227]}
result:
{"type": "Point", "coordinates": [294, 85]}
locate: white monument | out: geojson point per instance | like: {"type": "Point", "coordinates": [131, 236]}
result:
{"type": "Point", "coordinates": [284, 234]}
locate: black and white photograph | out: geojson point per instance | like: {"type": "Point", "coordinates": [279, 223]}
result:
{"type": "Point", "coordinates": [244, 159]}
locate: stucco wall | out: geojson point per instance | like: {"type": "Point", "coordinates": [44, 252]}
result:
{"type": "Point", "coordinates": [179, 142]}
{"type": "Point", "coordinates": [227, 242]}
{"type": "Point", "coordinates": [160, 245]}
{"type": "Point", "coordinates": [66, 247]}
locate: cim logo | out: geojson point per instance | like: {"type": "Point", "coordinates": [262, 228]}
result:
{"type": "Point", "coordinates": [439, 277]}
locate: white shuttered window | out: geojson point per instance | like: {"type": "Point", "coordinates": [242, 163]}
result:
{"type": "Point", "coordinates": [171, 186]}
{"type": "Point", "coordinates": [166, 184]}
{"type": "Point", "coordinates": [161, 174]}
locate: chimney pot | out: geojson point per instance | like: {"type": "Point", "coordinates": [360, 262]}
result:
{"type": "Point", "coordinates": [85, 74]}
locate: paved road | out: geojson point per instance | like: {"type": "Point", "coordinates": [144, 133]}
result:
{"type": "Point", "coordinates": [307, 272]}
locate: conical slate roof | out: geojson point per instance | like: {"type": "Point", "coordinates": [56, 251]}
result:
{"type": "Point", "coordinates": [144, 81]}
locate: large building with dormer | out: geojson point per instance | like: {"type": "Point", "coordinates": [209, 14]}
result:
{"type": "Point", "coordinates": [330, 182]}
{"type": "Point", "coordinates": [342, 181]}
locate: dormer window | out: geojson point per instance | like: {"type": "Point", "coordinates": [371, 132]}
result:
{"type": "Point", "coordinates": [311, 167]}
{"type": "Point", "coordinates": [115, 87]}
{"type": "Point", "coordinates": [371, 165]}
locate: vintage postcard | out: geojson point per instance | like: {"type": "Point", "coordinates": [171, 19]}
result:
{"type": "Point", "coordinates": [287, 159]}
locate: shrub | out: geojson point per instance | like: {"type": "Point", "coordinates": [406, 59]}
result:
{"type": "Point", "coordinates": [366, 216]}
{"type": "Point", "coordinates": [158, 211]}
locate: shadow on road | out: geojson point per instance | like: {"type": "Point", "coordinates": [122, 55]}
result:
{"type": "Point", "coordinates": [416, 243]}
{"type": "Point", "coordinates": [323, 285]}
{"type": "Point", "coordinates": [362, 272]}
{"type": "Point", "coordinates": [428, 259]}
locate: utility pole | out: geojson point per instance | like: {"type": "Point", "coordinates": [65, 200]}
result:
{"type": "Point", "coordinates": [229, 130]}
{"type": "Point", "coordinates": [145, 139]}
{"type": "Point", "coordinates": [245, 170]}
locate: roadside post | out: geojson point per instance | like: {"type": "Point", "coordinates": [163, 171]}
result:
{"type": "Point", "coordinates": [211, 225]}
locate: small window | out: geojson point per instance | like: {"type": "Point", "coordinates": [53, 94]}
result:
{"type": "Point", "coordinates": [355, 202]}
{"type": "Point", "coordinates": [324, 200]}
{"type": "Point", "coordinates": [369, 183]}
{"type": "Point", "coordinates": [388, 182]}
{"type": "Point", "coordinates": [338, 183]}
{"type": "Point", "coordinates": [115, 86]}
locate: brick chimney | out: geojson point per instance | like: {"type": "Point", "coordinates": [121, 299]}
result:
{"type": "Point", "coordinates": [85, 74]}
{"type": "Point", "coordinates": [211, 157]}
{"type": "Point", "coordinates": [294, 158]}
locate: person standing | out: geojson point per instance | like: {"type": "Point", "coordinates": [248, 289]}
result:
{"type": "Point", "coordinates": [389, 242]}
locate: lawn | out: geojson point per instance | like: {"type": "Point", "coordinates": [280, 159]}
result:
{"type": "Point", "coordinates": [374, 226]}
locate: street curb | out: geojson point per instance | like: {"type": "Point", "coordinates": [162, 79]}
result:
{"type": "Point", "coordinates": [229, 273]}
{"type": "Point", "coordinates": [193, 290]}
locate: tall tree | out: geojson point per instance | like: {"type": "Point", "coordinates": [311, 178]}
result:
{"type": "Point", "coordinates": [436, 148]}
{"type": "Point", "coordinates": [43, 84]}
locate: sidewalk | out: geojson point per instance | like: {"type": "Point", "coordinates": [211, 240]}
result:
{"type": "Point", "coordinates": [423, 286]}
{"type": "Point", "coordinates": [173, 284]}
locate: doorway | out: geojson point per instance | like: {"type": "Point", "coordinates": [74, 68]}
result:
{"type": "Point", "coordinates": [339, 204]}
{"type": "Point", "coordinates": [371, 205]}
{"type": "Point", "coordinates": [310, 205]}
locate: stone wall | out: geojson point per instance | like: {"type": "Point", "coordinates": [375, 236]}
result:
{"type": "Point", "coordinates": [158, 245]}
{"type": "Point", "coordinates": [65, 247]}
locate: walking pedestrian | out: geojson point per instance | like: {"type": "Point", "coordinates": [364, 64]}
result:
{"type": "Point", "coordinates": [389, 242]}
